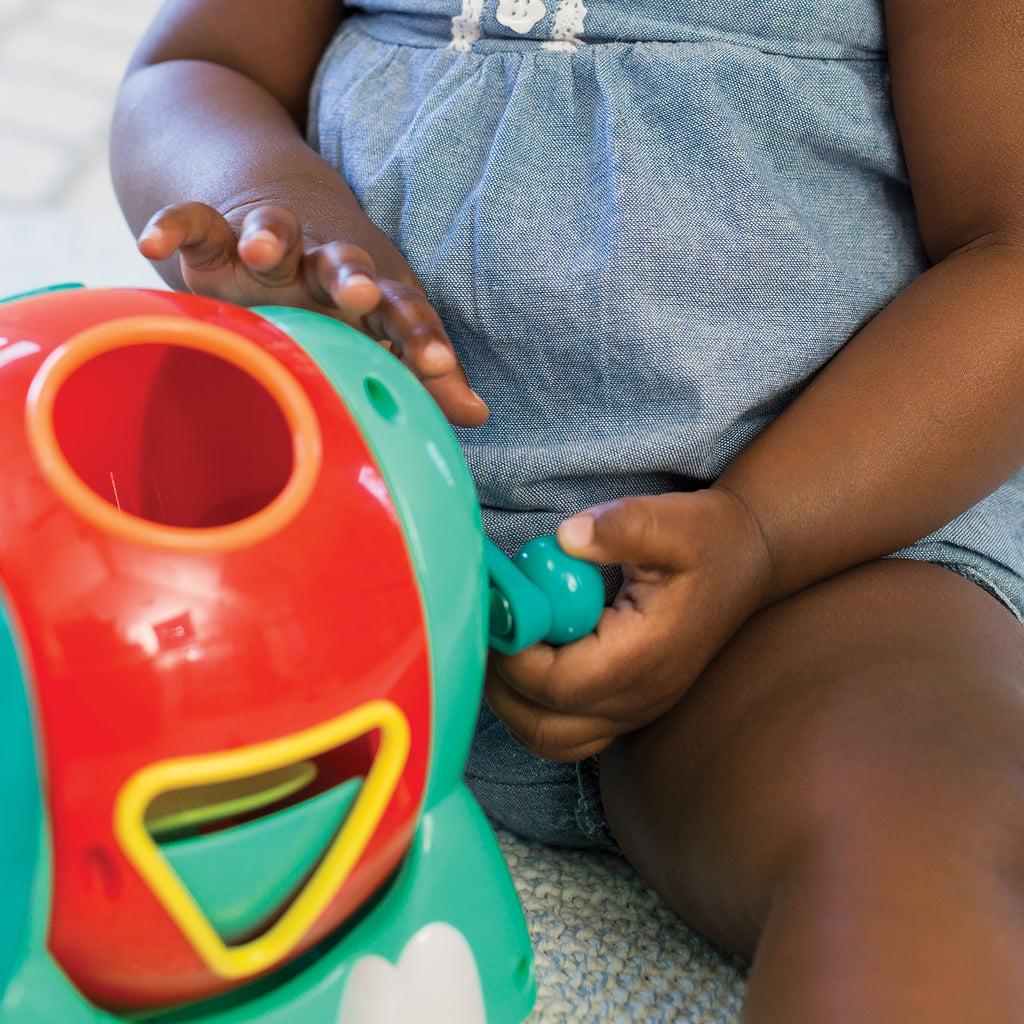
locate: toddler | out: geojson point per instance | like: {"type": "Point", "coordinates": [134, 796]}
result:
{"type": "Point", "coordinates": [730, 293]}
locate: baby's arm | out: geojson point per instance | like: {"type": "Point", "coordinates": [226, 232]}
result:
{"type": "Point", "coordinates": [215, 176]}
{"type": "Point", "coordinates": [916, 419]}
{"type": "Point", "coordinates": [922, 413]}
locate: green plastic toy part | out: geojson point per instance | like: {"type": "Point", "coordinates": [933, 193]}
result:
{"type": "Point", "coordinates": [242, 876]}
{"type": "Point", "coordinates": [20, 835]}
{"type": "Point", "coordinates": [429, 483]}
{"type": "Point", "coordinates": [543, 594]}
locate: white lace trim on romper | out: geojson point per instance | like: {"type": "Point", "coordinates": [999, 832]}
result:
{"type": "Point", "coordinates": [567, 26]}
{"type": "Point", "coordinates": [466, 26]}
{"type": "Point", "coordinates": [521, 16]}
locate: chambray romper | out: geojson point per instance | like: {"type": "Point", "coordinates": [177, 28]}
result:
{"type": "Point", "coordinates": [645, 224]}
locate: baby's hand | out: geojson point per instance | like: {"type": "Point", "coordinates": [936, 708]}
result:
{"type": "Point", "coordinates": [268, 263]}
{"type": "Point", "coordinates": [695, 568]}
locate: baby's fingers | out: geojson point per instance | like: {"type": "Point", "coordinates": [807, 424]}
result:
{"type": "Point", "coordinates": [659, 532]}
{"type": "Point", "coordinates": [544, 731]}
{"type": "Point", "coordinates": [202, 236]}
{"type": "Point", "coordinates": [405, 319]}
{"type": "Point", "coordinates": [270, 245]}
{"type": "Point", "coordinates": [634, 531]}
{"type": "Point", "coordinates": [343, 275]}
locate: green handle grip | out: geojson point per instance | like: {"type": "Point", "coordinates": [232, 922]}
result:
{"type": "Point", "coordinates": [543, 594]}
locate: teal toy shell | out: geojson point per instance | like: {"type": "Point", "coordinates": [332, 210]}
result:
{"type": "Point", "coordinates": [19, 836]}
{"type": "Point", "coordinates": [432, 490]}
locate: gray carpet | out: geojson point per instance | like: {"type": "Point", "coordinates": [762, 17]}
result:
{"type": "Point", "coordinates": [608, 950]}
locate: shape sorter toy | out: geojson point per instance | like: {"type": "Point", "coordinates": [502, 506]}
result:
{"type": "Point", "coordinates": [246, 604]}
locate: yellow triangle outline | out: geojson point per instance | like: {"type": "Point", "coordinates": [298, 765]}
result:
{"type": "Point", "coordinates": [273, 946]}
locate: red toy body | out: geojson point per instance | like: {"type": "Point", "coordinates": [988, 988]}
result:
{"type": "Point", "coordinates": [155, 571]}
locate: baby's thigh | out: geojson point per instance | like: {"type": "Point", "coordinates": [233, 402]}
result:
{"type": "Point", "coordinates": [879, 711]}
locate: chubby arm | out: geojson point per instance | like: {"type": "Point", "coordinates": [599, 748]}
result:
{"type": "Point", "coordinates": [213, 102]}
{"type": "Point", "coordinates": [922, 413]}
{"type": "Point", "coordinates": [214, 175]}
{"type": "Point", "coordinates": [917, 418]}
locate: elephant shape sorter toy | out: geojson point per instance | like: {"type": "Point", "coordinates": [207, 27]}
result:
{"type": "Point", "coordinates": [245, 606]}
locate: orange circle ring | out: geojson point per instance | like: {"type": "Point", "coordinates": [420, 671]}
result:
{"type": "Point", "coordinates": [217, 341]}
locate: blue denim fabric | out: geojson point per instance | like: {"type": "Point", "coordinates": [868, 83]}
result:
{"type": "Point", "coordinates": [556, 803]}
{"type": "Point", "coordinates": [645, 226]}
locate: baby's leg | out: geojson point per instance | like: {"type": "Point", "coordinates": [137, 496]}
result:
{"type": "Point", "coordinates": [842, 796]}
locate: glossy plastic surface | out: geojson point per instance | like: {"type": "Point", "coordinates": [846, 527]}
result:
{"type": "Point", "coordinates": [19, 836]}
{"type": "Point", "coordinates": [147, 653]}
{"type": "Point", "coordinates": [541, 595]}
{"type": "Point", "coordinates": [574, 588]}
{"type": "Point", "coordinates": [519, 611]}
{"type": "Point", "coordinates": [246, 565]}
{"type": "Point", "coordinates": [423, 473]}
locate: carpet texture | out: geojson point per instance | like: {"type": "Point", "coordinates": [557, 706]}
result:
{"type": "Point", "coordinates": [609, 951]}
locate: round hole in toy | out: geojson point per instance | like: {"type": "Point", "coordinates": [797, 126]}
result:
{"type": "Point", "coordinates": [382, 399]}
{"type": "Point", "coordinates": [174, 433]}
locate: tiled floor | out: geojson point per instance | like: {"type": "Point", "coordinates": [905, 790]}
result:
{"type": "Point", "coordinates": [60, 64]}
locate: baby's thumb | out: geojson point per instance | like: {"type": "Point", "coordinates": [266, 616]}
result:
{"type": "Point", "coordinates": [630, 531]}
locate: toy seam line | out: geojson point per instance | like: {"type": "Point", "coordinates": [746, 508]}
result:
{"type": "Point", "coordinates": [341, 855]}
{"type": "Point", "coordinates": [295, 406]}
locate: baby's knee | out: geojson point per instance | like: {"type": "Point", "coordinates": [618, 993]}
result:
{"type": "Point", "coordinates": [888, 759]}
{"type": "Point", "coordinates": [872, 779]}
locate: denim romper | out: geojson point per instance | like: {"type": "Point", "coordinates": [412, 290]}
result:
{"type": "Point", "coordinates": [645, 224]}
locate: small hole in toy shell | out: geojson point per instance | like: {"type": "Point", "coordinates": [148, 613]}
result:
{"type": "Point", "coordinates": [382, 399]}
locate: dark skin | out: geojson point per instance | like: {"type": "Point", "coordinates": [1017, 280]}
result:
{"type": "Point", "coordinates": [254, 215]}
{"type": "Point", "coordinates": [814, 755]}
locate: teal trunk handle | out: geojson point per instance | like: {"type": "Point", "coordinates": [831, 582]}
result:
{"type": "Point", "coordinates": [543, 594]}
